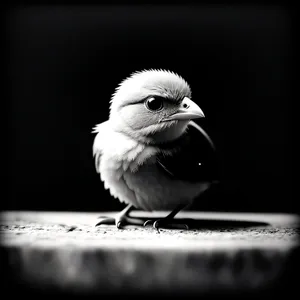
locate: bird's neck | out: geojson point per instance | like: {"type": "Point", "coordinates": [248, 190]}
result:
{"type": "Point", "coordinates": [170, 134]}
{"type": "Point", "coordinates": [167, 135]}
{"type": "Point", "coordinates": [166, 139]}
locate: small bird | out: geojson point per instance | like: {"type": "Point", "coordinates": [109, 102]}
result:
{"type": "Point", "coordinates": [149, 153]}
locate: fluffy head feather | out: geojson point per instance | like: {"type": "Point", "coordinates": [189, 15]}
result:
{"type": "Point", "coordinates": [142, 83]}
{"type": "Point", "coordinates": [129, 115]}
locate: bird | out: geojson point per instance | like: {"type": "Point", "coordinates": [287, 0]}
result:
{"type": "Point", "coordinates": [150, 153]}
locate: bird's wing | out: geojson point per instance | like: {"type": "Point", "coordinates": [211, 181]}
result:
{"type": "Point", "coordinates": [195, 160]}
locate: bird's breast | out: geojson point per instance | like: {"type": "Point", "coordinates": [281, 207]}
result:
{"type": "Point", "coordinates": [142, 176]}
{"type": "Point", "coordinates": [155, 190]}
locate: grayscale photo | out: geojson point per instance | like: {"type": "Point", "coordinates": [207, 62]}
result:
{"type": "Point", "coordinates": [149, 150]}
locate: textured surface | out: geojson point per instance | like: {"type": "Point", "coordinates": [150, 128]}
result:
{"type": "Point", "coordinates": [221, 252]}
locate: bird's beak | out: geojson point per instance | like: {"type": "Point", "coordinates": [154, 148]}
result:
{"type": "Point", "coordinates": [188, 110]}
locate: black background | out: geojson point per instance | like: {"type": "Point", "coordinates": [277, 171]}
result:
{"type": "Point", "coordinates": [64, 62]}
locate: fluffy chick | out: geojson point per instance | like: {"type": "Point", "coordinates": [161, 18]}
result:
{"type": "Point", "coordinates": [135, 150]}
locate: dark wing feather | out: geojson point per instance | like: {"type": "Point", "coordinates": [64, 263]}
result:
{"type": "Point", "coordinates": [97, 161]}
{"type": "Point", "coordinates": [196, 159]}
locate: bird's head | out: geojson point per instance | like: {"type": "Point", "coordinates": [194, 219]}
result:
{"type": "Point", "coordinates": [153, 106]}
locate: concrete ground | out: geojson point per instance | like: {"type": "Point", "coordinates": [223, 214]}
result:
{"type": "Point", "coordinates": [221, 254]}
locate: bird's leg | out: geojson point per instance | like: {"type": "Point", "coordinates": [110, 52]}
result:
{"type": "Point", "coordinates": [122, 218]}
{"type": "Point", "coordinates": [168, 221]}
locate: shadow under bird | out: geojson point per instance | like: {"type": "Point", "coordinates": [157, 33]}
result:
{"type": "Point", "coordinates": [149, 153]}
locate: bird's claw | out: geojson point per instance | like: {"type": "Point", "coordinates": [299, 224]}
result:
{"type": "Point", "coordinates": [119, 225]}
{"type": "Point", "coordinates": [165, 223]}
{"type": "Point", "coordinates": [120, 221]}
{"type": "Point", "coordinates": [155, 224]}
{"type": "Point", "coordinates": [106, 221]}
{"type": "Point", "coordinates": [147, 222]}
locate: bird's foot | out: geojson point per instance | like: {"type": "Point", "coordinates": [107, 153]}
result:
{"type": "Point", "coordinates": [166, 223]}
{"type": "Point", "coordinates": [120, 221]}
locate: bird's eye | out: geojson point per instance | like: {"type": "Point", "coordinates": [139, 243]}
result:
{"type": "Point", "coordinates": [154, 103]}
